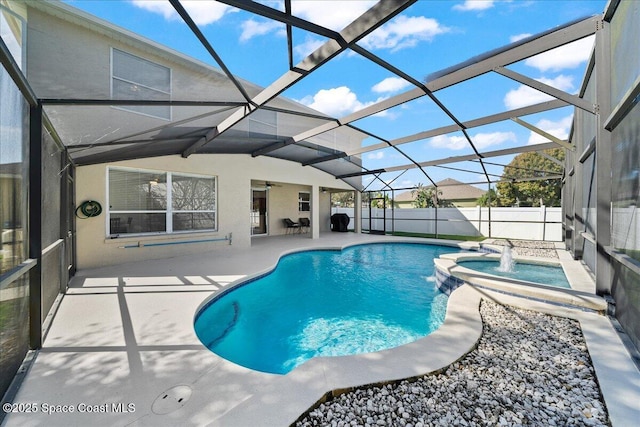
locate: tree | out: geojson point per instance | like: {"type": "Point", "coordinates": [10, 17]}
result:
{"type": "Point", "coordinates": [532, 193]}
{"type": "Point", "coordinates": [429, 197]}
{"type": "Point", "coordinates": [344, 199]}
{"type": "Point", "coordinates": [490, 195]}
{"type": "Point", "coordinates": [375, 199]}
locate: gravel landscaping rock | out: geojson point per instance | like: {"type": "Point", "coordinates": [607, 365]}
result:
{"type": "Point", "coordinates": [528, 369]}
{"type": "Point", "coordinates": [528, 247]}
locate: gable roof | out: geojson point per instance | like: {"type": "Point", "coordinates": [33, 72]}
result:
{"type": "Point", "coordinates": [451, 190]}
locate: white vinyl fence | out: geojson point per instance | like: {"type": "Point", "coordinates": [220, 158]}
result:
{"type": "Point", "coordinates": [536, 223]}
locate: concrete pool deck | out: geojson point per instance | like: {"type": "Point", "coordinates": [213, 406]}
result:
{"type": "Point", "coordinates": [124, 335]}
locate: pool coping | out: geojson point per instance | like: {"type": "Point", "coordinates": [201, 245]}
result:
{"type": "Point", "coordinates": [458, 335]}
{"type": "Point", "coordinates": [579, 296]}
{"type": "Point", "coordinates": [470, 246]}
{"type": "Point", "coordinates": [107, 344]}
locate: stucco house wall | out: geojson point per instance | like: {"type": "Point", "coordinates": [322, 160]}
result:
{"type": "Point", "coordinates": [69, 56]}
{"type": "Point", "coordinates": [234, 173]}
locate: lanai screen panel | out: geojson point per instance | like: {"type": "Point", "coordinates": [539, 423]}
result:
{"type": "Point", "coordinates": [109, 128]}
{"type": "Point", "coordinates": [160, 95]}
{"type": "Point", "coordinates": [625, 56]}
{"type": "Point", "coordinates": [302, 152]}
{"type": "Point", "coordinates": [342, 167]}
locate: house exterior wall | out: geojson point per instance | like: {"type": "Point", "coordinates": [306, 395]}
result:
{"type": "Point", "coordinates": [283, 203]}
{"type": "Point", "coordinates": [324, 218]}
{"type": "Point", "coordinates": [464, 203]}
{"type": "Point", "coordinates": [75, 54]}
{"type": "Point", "coordinates": [69, 57]}
{"type": "Point", "coordinates": [234, 174]}
{"type": "Point", "coordinates": [403, 204]}
{"type": "Point", "coordinates": [70, 60]}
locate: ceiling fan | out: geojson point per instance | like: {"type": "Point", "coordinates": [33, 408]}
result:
{"type": "Point", "coordinates": [269, 184]}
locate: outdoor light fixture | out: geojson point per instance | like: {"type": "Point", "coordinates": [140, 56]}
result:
{"type": "Point", "coordinates": [267, 185]}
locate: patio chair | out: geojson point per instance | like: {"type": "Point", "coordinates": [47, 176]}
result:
{"type": "Point", "coordinates": [305, 225]}
{"type": "Point", "coordinates": [291, 226]}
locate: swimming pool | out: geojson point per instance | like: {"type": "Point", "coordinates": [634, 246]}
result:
{"type": "Point", "coordinates": [362, 299]}
{"type": "Point", "coordinates": [551, 275]}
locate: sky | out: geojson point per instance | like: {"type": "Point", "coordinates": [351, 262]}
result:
{"type": "Point", "coordinates": [429, 36]}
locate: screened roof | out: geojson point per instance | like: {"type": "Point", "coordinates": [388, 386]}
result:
{"type": "Point", "coordinates": [214, 111]}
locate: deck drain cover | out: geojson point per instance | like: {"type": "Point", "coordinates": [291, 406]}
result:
{"type": "Point", "coordinates": [171, 400]}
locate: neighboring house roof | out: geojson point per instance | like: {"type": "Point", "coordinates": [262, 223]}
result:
{"type": "Point", "coordinates": [451, 190]}
{"type": "Point", "coordinates": [407, 196]}
{"type": "Point", "coordinates": [456, 190]}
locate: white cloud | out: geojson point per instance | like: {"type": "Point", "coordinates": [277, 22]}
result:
{"type": "Point", "coordinates": [163, 8]}
{"type": "Point", "coordinates": [390, 85]}
{"type": "Point", "coordinates": [517, 37]}
{"type": "Point", "coordinates": [398, 34]}
{"type": "Point", "coordinates": [559, 129]}
{"type": "Point", "coordinates": [309, 46]}
{"type": "Point", "coordinates": [568, 56]}
{"type": "Point", "coordinates": [404, 31]}
{"type": "Point", "coordinates": [376, 156]}
{"type": "Point", "coordinates": [480, 140]}
{"type": "Point", "coordinates": [450, 142]}
{"type": "Point", "coordinates": [331, 14]}
{"type": "Point", "coordinates": [203, 12]}
{"type": "Point", "coordinates": [474, 5]}
{"type": "Point", "coordinates": [336, 102]}
{"type": "Point", "coordinates": [525, 95]}
{"type": "Point", "coordinates": [484, 140]}
{"type": "Point", "coordinates": [252, 28]}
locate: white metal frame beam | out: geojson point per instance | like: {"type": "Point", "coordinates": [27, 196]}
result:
{"type": "Point", "coordinates": [560, 142]}
{"type": "Point", "coordinates": [494, 118]}
{"type": "Point", "coordinates": [463, 158]}
{"type": "Point", "coordinates": [369, 21]}
{"type": "Point", "coordinates": [513, 53]}
{"type": "Point", "coordinates": [549, 90]}
{"type": "Point", "coordinates": [492, 61]}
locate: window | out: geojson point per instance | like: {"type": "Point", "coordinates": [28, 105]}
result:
{"type": "Point", "coordinates": [625, 206]}
{"type": "Point", "coordinates": [13, 33]}
{"type": "Point", "coordinates": [193, 202]}
{"type": "Point", "coordinates": [304, 202]}
{"type": "Point", "coordinates": [138, 79]}
{"type": "Point", "coordinates": [14, 168]}
{"type": "Point", "coordinates": [160, 202]}
{"type": "Point", "coordinates": [14, 204]}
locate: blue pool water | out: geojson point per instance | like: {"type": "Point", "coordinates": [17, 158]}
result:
{"type": "Point", "coordinates": [545, 274]}
{"type": "Point", "coordinates": [327, 303]}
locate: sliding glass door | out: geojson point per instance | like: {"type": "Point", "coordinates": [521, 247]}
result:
{"type": "Point", "coordinates": [259, 211]}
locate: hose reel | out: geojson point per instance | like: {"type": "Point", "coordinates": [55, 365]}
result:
{"type": "Point", "coordinates": [88, 209]}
